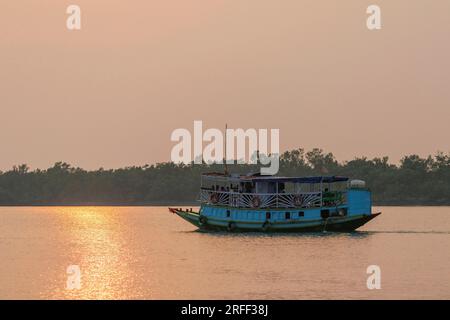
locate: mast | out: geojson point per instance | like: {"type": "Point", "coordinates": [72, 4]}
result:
{"type": "Point", "coordinates": [225, 154]}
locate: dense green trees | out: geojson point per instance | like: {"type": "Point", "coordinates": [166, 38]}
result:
{"type": "Point", "coordinates": [414, 181]}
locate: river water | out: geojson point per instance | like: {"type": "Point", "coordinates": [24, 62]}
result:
{"type": "Point", "coordinates": [149, 253]}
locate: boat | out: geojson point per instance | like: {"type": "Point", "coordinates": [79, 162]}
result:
{"type": "Point", "coordinates": [253, 202]}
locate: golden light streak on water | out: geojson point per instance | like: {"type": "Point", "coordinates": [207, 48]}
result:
{"type": "Point", "coordinates": [100, 253]}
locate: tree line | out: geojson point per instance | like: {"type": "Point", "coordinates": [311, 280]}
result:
{"type": "Point", "coordinates": [414, 181]}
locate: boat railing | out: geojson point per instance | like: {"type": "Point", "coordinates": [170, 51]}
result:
{"type": "Point", "coordinates": [272, 200]}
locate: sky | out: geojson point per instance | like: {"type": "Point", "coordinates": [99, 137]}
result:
{"type": "Point", "coordinates": [110, 95]}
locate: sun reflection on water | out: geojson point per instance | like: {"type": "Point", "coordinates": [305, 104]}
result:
{"type": "Point", "coordinates": [99, 248]}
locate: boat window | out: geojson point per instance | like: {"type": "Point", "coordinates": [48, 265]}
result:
{"type": "Point", "coordinates": [289, 187]}
{"type": "Point", "coordinates": [267, 215]}
{"type": "Point", "coordinates": [325, 213]}
{"type": "Point", "coordinates": [302, 187]}
{"type": "Point", "coordinates": [315, 187]}
{"type": "Point", "coordinates": [272, 187]}
{"type": "Point", "coordinates": [262, 187]}
{"type": "Point", "coordinates": [266, 187]}
{"type": "Point", "coordinates": [247, 187]}
{"type": "Point", "coordinates": [228, 213]}
{"type": "Point", "coordinates": [301, 214]}
{"type": "Point", "coordinates": [288, 215]}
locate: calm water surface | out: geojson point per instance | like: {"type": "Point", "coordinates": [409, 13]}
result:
{"type": "Point", "coordinates": [148, 253]}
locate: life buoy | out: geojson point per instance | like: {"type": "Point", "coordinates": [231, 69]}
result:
{"type": "Point", "coordinates": [265, 226]}
{"type": "Point", "coordinates": [231, 226]}
{"type": "Point", "coordinates": [298, 200]}
{"type": "Point", "coordinates": [203, 220]}
{"type": "Point", "coordinates": [214, 197]}
{"type": "Point", "coordinates": [256, 202]}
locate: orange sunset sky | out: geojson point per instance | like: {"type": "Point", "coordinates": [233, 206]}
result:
{"type": "Point", "coordinates": [110, 94]}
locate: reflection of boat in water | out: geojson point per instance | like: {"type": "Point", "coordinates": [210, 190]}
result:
{"type": "Point", "coordinates": [280, 204]}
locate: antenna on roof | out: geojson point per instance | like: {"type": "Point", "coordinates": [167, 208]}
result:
{"type": "Point", "coordinates": [225, 154]}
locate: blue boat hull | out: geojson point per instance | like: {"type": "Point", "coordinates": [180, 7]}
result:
{"type": "Point", "coordinates": [331, 224]}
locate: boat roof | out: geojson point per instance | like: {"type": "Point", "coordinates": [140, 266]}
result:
{"type": "Point", "coordinates": [260, 178]}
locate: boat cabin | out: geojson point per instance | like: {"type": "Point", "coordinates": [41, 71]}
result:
{"type": "Point", "coordinates": [256, 191]}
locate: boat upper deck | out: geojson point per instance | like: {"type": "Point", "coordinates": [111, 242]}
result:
{"type": "Point", "coordinates": [256, 191]}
